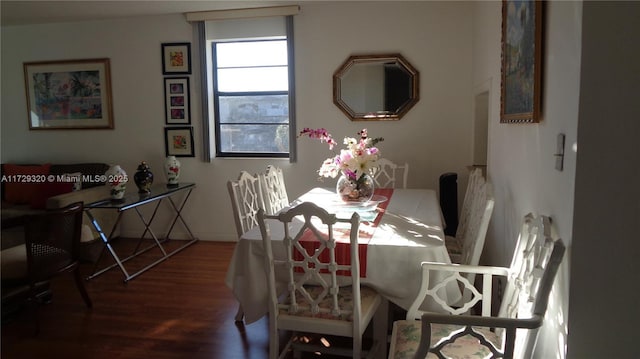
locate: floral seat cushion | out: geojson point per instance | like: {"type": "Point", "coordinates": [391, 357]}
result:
{"type": "Point", "coordinates": [406, 337]}
{"type": "Point", "coordinates": [345, 302]}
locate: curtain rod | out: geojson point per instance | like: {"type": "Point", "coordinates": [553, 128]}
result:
{"type": "Point", "coordinates": [242, 13]}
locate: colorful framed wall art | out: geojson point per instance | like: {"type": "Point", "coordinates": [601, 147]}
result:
{"type": "Point", "coordinates": [176, 101]}
{"type": "Point", "coordinates": [521, 73]}
{"type": "Point", "coordinates": [69, 94]}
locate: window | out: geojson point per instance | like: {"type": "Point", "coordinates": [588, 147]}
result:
{"type": "Point", "coordinates": [251, 97]}
{"type": "Point", "coordinates": [250, 102]}
{"type": "Point", "coordinates": [247, 79]}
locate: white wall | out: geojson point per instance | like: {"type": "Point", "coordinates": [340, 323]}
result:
{"type": "Point", "coordinates": [434, 136]}
{"type": "Point", "coordinates": [604, 271]}
{"type": "Point", "coordinates": [521, 157]}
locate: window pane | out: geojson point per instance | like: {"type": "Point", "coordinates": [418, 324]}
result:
{"type": "Point", "coordinates": [251, 54]}
{"type": "Point", "coordinates": [254, 138]}
{"type": "Point", "coordinates": [253, 79]}
{"type": "Point", "coordinates": [254, 109]}
{"type": "Point", "coordinates": [251, 98]}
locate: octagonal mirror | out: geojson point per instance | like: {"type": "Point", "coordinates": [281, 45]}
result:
{"type": "Point", "coordinates": [375, 87]}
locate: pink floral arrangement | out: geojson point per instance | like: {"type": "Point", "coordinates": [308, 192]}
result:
{"type": "Point", "coordinates": [353, 162]}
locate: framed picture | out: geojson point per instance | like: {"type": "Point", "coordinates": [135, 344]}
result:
{"type": "Point", "coordinates": [521, 61]}
{"type": "Point", "coordinates": [176, 58]}
{"type": "Point", "coordinates": [69, 94]}
{"type": "Point", "coordinates": [179, 141]}
{"type": "Point", "coordinates": [176, 100]}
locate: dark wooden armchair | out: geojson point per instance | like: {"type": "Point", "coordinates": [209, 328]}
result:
{"type": "Point", "coordinates": [52, 246]}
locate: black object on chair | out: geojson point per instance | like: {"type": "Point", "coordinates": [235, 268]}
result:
{"type": "Point", "coordinates": [449, 201]}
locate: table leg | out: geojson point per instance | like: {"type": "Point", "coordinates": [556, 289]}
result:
{"type": "Point", "coordinates": [147, 224]}
{"type": "Point", "coordinates": [178, 215]}
{"type": "Point", "coordinates": [107, 244]}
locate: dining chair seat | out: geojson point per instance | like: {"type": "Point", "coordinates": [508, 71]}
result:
{"type": "Point", "coordinates": [368, 298]}
{"type": "Point", "coordinates": [407, 333]}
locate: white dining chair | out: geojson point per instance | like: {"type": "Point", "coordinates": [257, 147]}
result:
{"type": "Point", "coordinates": [246, 199]}
{"type": "Point", "coordinates": [510, 334]}
{"type": "Point", "coordinates": [467, 248]}
{"type": "Point", "coordinates": [313, 300]}
{"type": "Point", "coordinates": [387, 174]}
{"type": "Point", "coordinates": [474, 221]}
{"type": "Point", "coordinates": [274, 189]}
{"type": "Point", "coordinates": [475, 178]}
{"type": "Point", "coordinates": [477, 224]}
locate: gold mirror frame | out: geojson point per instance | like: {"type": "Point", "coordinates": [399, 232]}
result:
{"type": "Point", "coordinates": [407, 103]}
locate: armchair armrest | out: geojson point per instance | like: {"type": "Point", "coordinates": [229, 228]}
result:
{"type": "Point", "coordinates": [510, 325]}
{"type": "Point", "coordinates": [481, 321]}
{"type": "Point", "coordinates": [456, 270]}
{"type": "Point", "coordinates": [463, 268]}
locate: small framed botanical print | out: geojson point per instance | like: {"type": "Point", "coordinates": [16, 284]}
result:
{"type": "Point", "coordinates": [179, 141]}
{"type": "Point", "coordinates": [176, 101]}
{"type": "Point", "coordinates": [176, 58]}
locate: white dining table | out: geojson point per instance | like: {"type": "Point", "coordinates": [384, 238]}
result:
{"type": "Point", "coordinates": [409, 232]}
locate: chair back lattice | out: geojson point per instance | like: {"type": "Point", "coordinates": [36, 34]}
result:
{"type": "Point", "coordinates": [246, 200]}
{"type": "Point", "coordinates": [274, 190]}
{"type": "Point", "coordinates": [312, 279]}
{"type": "Point", "coordinates": [53, 241]}
{"type": "Point", "coordinates": [535, 262]}
{"type": "Point", "coordinates": [475, 179]}
{"type": "Point", "coordinates": [384, 174]}
{"type": "Point", "coordinates": [477, 223]}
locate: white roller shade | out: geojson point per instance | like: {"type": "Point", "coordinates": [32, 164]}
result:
{"type": "Point", "coordinates": [242, 13]}
{"type": "Point", "coordinates": [236, 29]}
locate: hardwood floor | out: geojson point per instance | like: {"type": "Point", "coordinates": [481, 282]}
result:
{"type": "Point", "coordinates": [178, 309]}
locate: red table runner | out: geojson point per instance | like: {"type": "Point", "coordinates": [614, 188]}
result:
{"type": "Point", "coordinates": [343, 253]}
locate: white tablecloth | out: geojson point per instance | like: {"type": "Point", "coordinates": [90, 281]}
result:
{"type": "Point", "coordinates": [409, 233]}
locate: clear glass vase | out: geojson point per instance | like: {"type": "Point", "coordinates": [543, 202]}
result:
{"type": "Point", "coordinates": [351, 190]}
